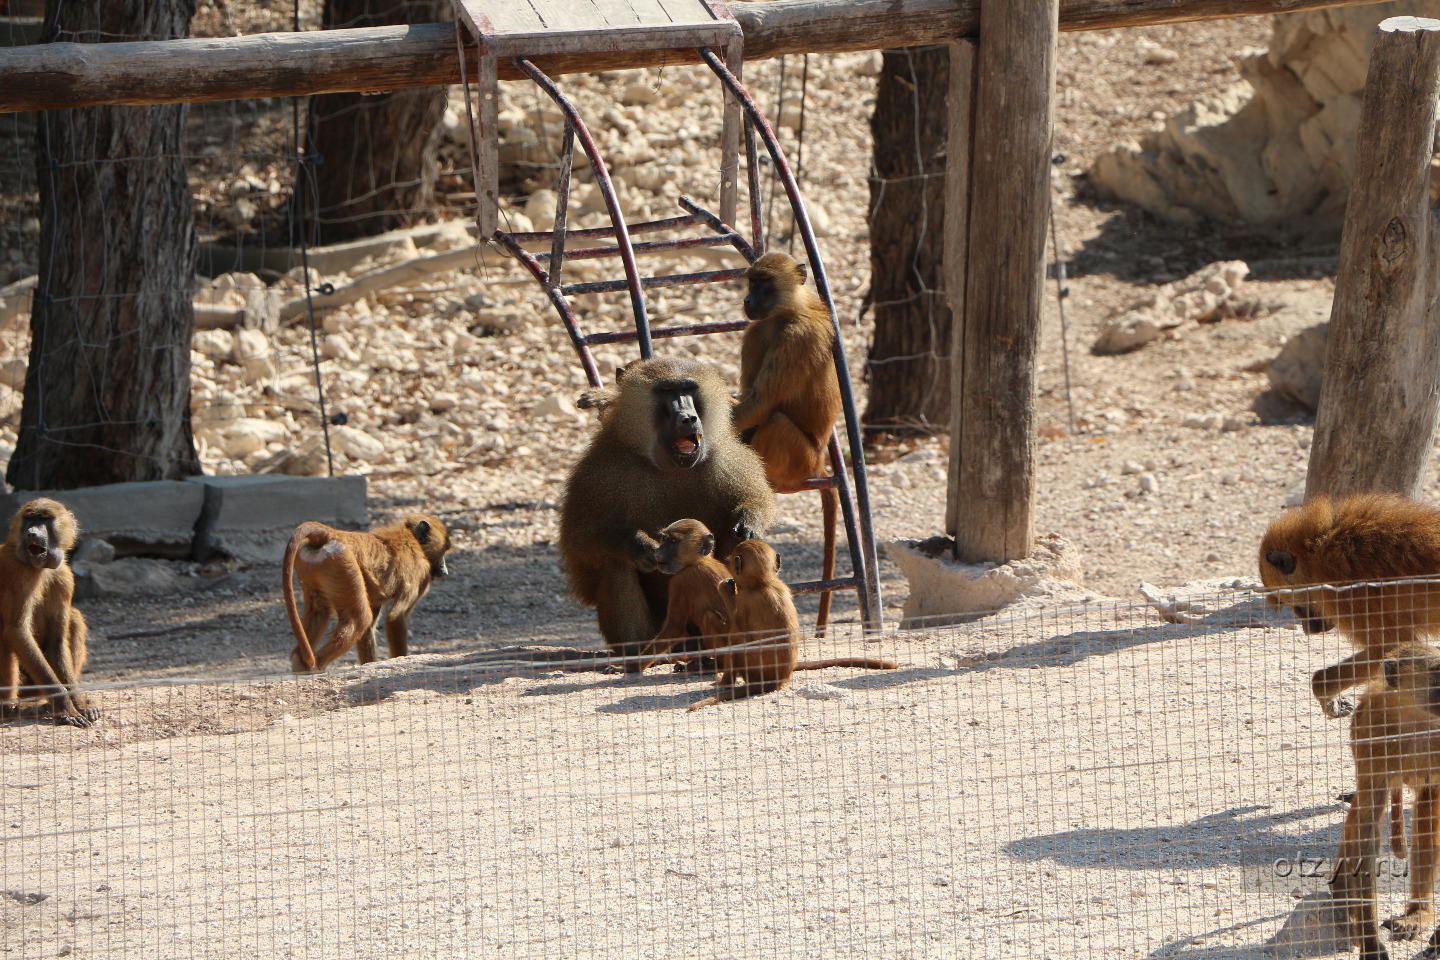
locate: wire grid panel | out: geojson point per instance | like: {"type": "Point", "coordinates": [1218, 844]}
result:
{"type": "Point", "coordinates": [1092, 782]}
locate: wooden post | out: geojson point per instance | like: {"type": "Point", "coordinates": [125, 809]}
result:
{"type": "Point", "coordinates": [960, 103]}
{"type": "Point", "coordinates": [997, 323]}
{"type": "Point", "coordinates": [1381, 394]}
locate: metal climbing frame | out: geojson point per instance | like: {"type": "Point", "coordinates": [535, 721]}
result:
{"type": "Point", "coordinates": [519, 30]}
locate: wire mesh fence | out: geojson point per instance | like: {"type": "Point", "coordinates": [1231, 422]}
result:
{"type": "Point", "coordinates": [1090, 781]}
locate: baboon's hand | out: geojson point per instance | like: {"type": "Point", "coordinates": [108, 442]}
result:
{"type": "Point", "coordinates": [1407, 926]}
{"type": "Point", "coordinates": [63, 719]}
{"type": "Point", "coordinates": [1338, 707]}
{"type": "Point", "coordinates": [743, 531]}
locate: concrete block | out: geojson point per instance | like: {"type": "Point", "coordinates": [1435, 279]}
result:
{"type": "Point", "coordinates": [247, 517]}
{"type": "Point", "coordinates": [155, 517]}
{"type": "Point", "coordinates": [943, 591]}
{"type": "Point", "coordinates": [251, 516]}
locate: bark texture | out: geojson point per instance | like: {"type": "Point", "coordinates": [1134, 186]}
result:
{"type": "Point", "coordinates": [107, 391]}
{"type": "Point", "coordinates": [374, 157]}
{"type": "Point", "coordinates": [909, 364]}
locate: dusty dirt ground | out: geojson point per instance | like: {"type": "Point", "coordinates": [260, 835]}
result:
{"type": "Point", "coordinates": [1083, 782]}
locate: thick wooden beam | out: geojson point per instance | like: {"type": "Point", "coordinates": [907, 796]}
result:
{"type": "Point", "coordinates": [1381, 394]}
{"type": "Point", "coordinates": [60, 75]}
{"type": "Point", "coordinates": [992, 430]}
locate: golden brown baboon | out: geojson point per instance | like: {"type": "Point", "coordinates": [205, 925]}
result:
{"type": "Point", "coordinates": [696, 607]}
{"type": "Point", "coordinates": [764, 643]}
{"type": "Point", "coordinates": [351, 576]}
{"type": "Point", "coordinates": [665, 450]}
{"type": "Point", "coordinates": [41, 634]}
{"type": "Point", "coordinates": [789, 393]}
{"type": "Point", "coordinates": [1341, 544]}
{"type": "Point", "coordinates": [1395, 740]}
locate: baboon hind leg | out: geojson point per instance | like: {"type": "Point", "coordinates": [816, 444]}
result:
{"type": "Point", "coordinates": [353, 620]}
{"type": "Point", "coordinates": [1418, 914]}
{"type": "Point", "coordinates": [623, 613]}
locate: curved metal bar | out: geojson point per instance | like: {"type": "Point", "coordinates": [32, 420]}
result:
{"type": "Point", "coordinates": [562, 306]}
{"type": "Point", "coordinates": [607, 189]}
{"type": "Point", "coordinates": [871, 599]}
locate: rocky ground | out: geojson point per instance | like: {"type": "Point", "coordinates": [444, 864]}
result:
{"type": "Point", "coordinates": [458, 387]}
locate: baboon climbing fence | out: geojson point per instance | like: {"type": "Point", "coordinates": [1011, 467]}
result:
{"type": "Point", "coordinates": [1098, 780]}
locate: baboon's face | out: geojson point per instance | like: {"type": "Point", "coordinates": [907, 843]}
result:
{"type": "Point", "coordinates": [683, 543]}
{"type": "Point", "coordinates": [1279, 570]}
{"type": "Point", "coordinates": [1417, 674]}
{"type": "Point", "coordinates": [434, 540]}
{"type": "Point", "coordinates": [679, 424]}
{"type": "Point", "coordinates": [39, 544]}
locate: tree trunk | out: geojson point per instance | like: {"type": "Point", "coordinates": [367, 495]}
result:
{"type": "Point", "coordinates": [375, 156]}
{"type": "Point", "coordinates": [107, 391]}
{"type": "Point", "coordinates": [909, 363]}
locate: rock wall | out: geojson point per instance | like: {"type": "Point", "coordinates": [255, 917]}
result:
{"type": "Point", "coordinates": [1273, 151]}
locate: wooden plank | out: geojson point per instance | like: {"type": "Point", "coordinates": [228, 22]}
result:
{"type": "Point", "coordinates": [1381, 393]}
{"type": "Point", "coordinates": [960, 101]}
{"type": "Point", "coordinates": [993, 430]}
{"type": "Point", "coordinates": [58, 75]}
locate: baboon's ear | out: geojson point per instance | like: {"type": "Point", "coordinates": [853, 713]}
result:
{"type": "Point", "coordinates": [707, 545]}
{"type": "Point", "coordinates": [727, 587]}
{"type": "Point", "coordinates": [1392, 674]}
{"type": "Point", "coordinates": [738, 562]}
{"type": "Point", "coordinates": [777, 563]}
{"type": "Point", "coordinates": [803, 269]}
{"type": "Point", "coordinates": [1282, 561]}
{"type": "Point", "coordinates": [422, 532]}
{"type": "Point", "coordinates": [620, 372]}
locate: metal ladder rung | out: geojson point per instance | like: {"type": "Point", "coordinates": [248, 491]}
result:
{"type": "Point", "coordinates": [603, 233]}
{"type": "Point", "coordinates": [673, 280]}
{"type": "Point", "coordinates": [649, 246]}
{"type": "Point", "coordinates": [824, 586]}
{"type": "Point", "coordinates": [660, 333]}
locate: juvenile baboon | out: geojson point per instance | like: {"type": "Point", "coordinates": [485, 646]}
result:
{"type": "Point", "coordinates": [351, 576]}
{"type": "Point", "coordinates": [695, 607]}
{"type": "Point", "coordinates": [1395, 740]}
{"type": "Point", "coordinates": [789, 392]}
{"type": "Point", "coordinates": [1341, 544]}
{"type": "Point", "coordinates": [665, 450]}
{"type": "Point", "coordinates": [42, 636]}
{"type": "Point", "coordinates": [764, 644]}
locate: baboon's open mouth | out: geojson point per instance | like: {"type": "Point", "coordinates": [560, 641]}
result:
{"type": "Point", "coordinates": [36, 549]}
{"type": "Point", "coordinates": [686, 446]}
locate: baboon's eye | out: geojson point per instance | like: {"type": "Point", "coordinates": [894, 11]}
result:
{"type": "Point", "coordinates": [1281, 560]}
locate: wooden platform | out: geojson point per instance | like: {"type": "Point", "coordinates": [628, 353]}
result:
{"type": "Point", "coordinates": [531, 28]}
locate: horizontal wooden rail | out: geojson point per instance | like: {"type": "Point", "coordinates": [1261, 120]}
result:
{"type": "Point", "coordinates": [54, 76]}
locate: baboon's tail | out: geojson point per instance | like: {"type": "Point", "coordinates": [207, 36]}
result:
{"type": "Point", "coordinates": [315, 534]}
{"type": "Point", "coordinates": [865, 663]}
{"type": "Point", "coordinates": [829, 504]}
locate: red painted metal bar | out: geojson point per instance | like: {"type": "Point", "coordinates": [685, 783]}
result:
{"type": "Point", "coordinates": [870, 597]}
{"type": "Point", "coordinates": [557, 299]}
{"type": "Point", "coordinates": [607, 190]}
{"type": "Point", "coordinates": [663, 333]}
